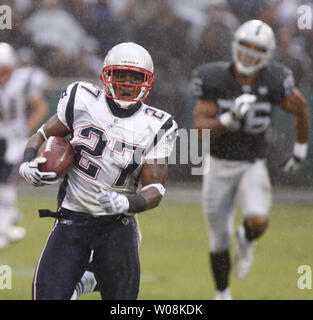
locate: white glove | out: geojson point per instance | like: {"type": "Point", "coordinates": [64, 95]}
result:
{"type": "Point", "coordinates": [30, 171]}
{"type": "Point", "coordinates": [232, 119]}
{"type": "Point", "coordinates": [228, 120]}
{"type": "Point", "coordinates": [293, 164]}
{"type": "Point", "coordinates": [242, 105]}
{"type": "Point", "coordinates": [113, 202]}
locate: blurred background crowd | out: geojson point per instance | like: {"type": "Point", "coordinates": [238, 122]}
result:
{"type": "Point", "coordinates": [69, 39]}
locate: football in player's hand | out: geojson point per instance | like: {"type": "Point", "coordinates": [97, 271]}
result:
{"type": "Point", "coordinates": [59, 154]}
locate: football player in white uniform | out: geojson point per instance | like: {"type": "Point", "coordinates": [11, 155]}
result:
{"type": "Point", "coordinates": [119, 141]}
{"type": "Point", "coordinates": [20, 89]}
{"type": "Point", "coordinates": [235, 101]}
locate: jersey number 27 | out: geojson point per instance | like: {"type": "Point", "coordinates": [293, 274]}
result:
{"type": "Point", "coordinates": [91, 169]}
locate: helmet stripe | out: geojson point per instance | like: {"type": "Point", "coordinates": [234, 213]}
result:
{"type": "Point", "coordinates": [258, 30]}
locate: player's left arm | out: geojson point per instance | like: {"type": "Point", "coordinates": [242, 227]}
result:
{"type": "Point", "coordinates": [295, 103]}
{"type": "Point", "coordinates": [39, 113]}
{"type": "Point", "coordinates": [153, 179]}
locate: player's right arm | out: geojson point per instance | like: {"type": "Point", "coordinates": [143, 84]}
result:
{"type": "Point", "coordinates": [206, 112]}
{"type": "Point", "coordinates": [29, 168]}
{"type": "Point", "coordinates": [53, 127]}
{"type": "Point", "coordinates": [205, 117]}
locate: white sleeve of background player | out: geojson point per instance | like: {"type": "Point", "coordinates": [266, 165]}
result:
{"type": "Point", "coordinates": [163, 142]}
{"type": "Point", "coordinates": [63, 104]}
{"type": "Point", "coordinates": [39, 83]}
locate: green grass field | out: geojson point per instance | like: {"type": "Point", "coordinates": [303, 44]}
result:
{"type": "Point", "coordinates": [174, 254]}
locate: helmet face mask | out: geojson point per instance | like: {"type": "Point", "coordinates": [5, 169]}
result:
{"type": "Point", "coordinates": [253, 46]}
{"type": "Point", "coordinates": [249, 58]}
{"type": "Point", "coordinates": [131, 88]}
{"type": "Point", "coordinates": [127, 74]}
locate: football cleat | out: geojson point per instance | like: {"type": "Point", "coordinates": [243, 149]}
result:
{"type": "Point", "coordinates": [223, 295]}
{"type": "Point", "coordinates": [243, 254]}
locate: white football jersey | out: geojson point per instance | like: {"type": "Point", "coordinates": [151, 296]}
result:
{"type": "Point", "coordinates": [111, 144]}
{"type": "Point", "coordinates": [24, 85]}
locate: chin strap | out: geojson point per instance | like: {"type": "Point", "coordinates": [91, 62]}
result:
{"type": "Point", "coordinates": [124, 104]}
{"type": "Point", "coordinates": [121, 103]}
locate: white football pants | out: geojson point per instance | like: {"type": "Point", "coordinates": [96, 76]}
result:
{"type": "Point", "coordinates": [226, 184]}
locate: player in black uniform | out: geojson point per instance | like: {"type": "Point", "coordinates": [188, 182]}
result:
{"type": "Point", "coordinates": [235, 101]}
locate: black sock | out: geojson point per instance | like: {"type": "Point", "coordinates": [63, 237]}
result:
{"type": "Point", "coordinates": [220, 264]}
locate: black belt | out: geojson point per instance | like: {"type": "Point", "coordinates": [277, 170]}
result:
{"type": "Point", "coordinates": [66, 213]}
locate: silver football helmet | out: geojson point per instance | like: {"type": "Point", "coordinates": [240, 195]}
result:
{"type": "Point", "coordinates": [253, 46]}
{"type": "Point", "coordinates": [130, 57]}
{"type": "Point", "coordinates": [7, 56]}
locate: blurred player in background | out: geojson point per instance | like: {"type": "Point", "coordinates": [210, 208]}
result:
{"type": "Point", "coordinates": [235, 101]}
{"type": "Point", "coordinates": [22, 109]}
{"type": "Point", "coordinates": [118, 141]}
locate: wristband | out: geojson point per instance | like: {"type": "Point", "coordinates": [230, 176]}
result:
{"type": "Point", "coordinates": [40, 130]}
{"type": "Point", "coordinates": [159, 186]}
{"type": "Point", "coordinates": [137, 203]}
{"type": "Point", "coordinates": [300, 150]}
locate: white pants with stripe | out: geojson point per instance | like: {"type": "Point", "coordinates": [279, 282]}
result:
{"type": "Point", "coordinates": [227, 184]}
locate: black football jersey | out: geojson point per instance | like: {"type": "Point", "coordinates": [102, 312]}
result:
{"type": "Point", "coordinates": [216, 81]}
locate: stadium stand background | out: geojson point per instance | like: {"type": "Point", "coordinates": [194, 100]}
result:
{"type": "Point", "coordinates": [69, 38]}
